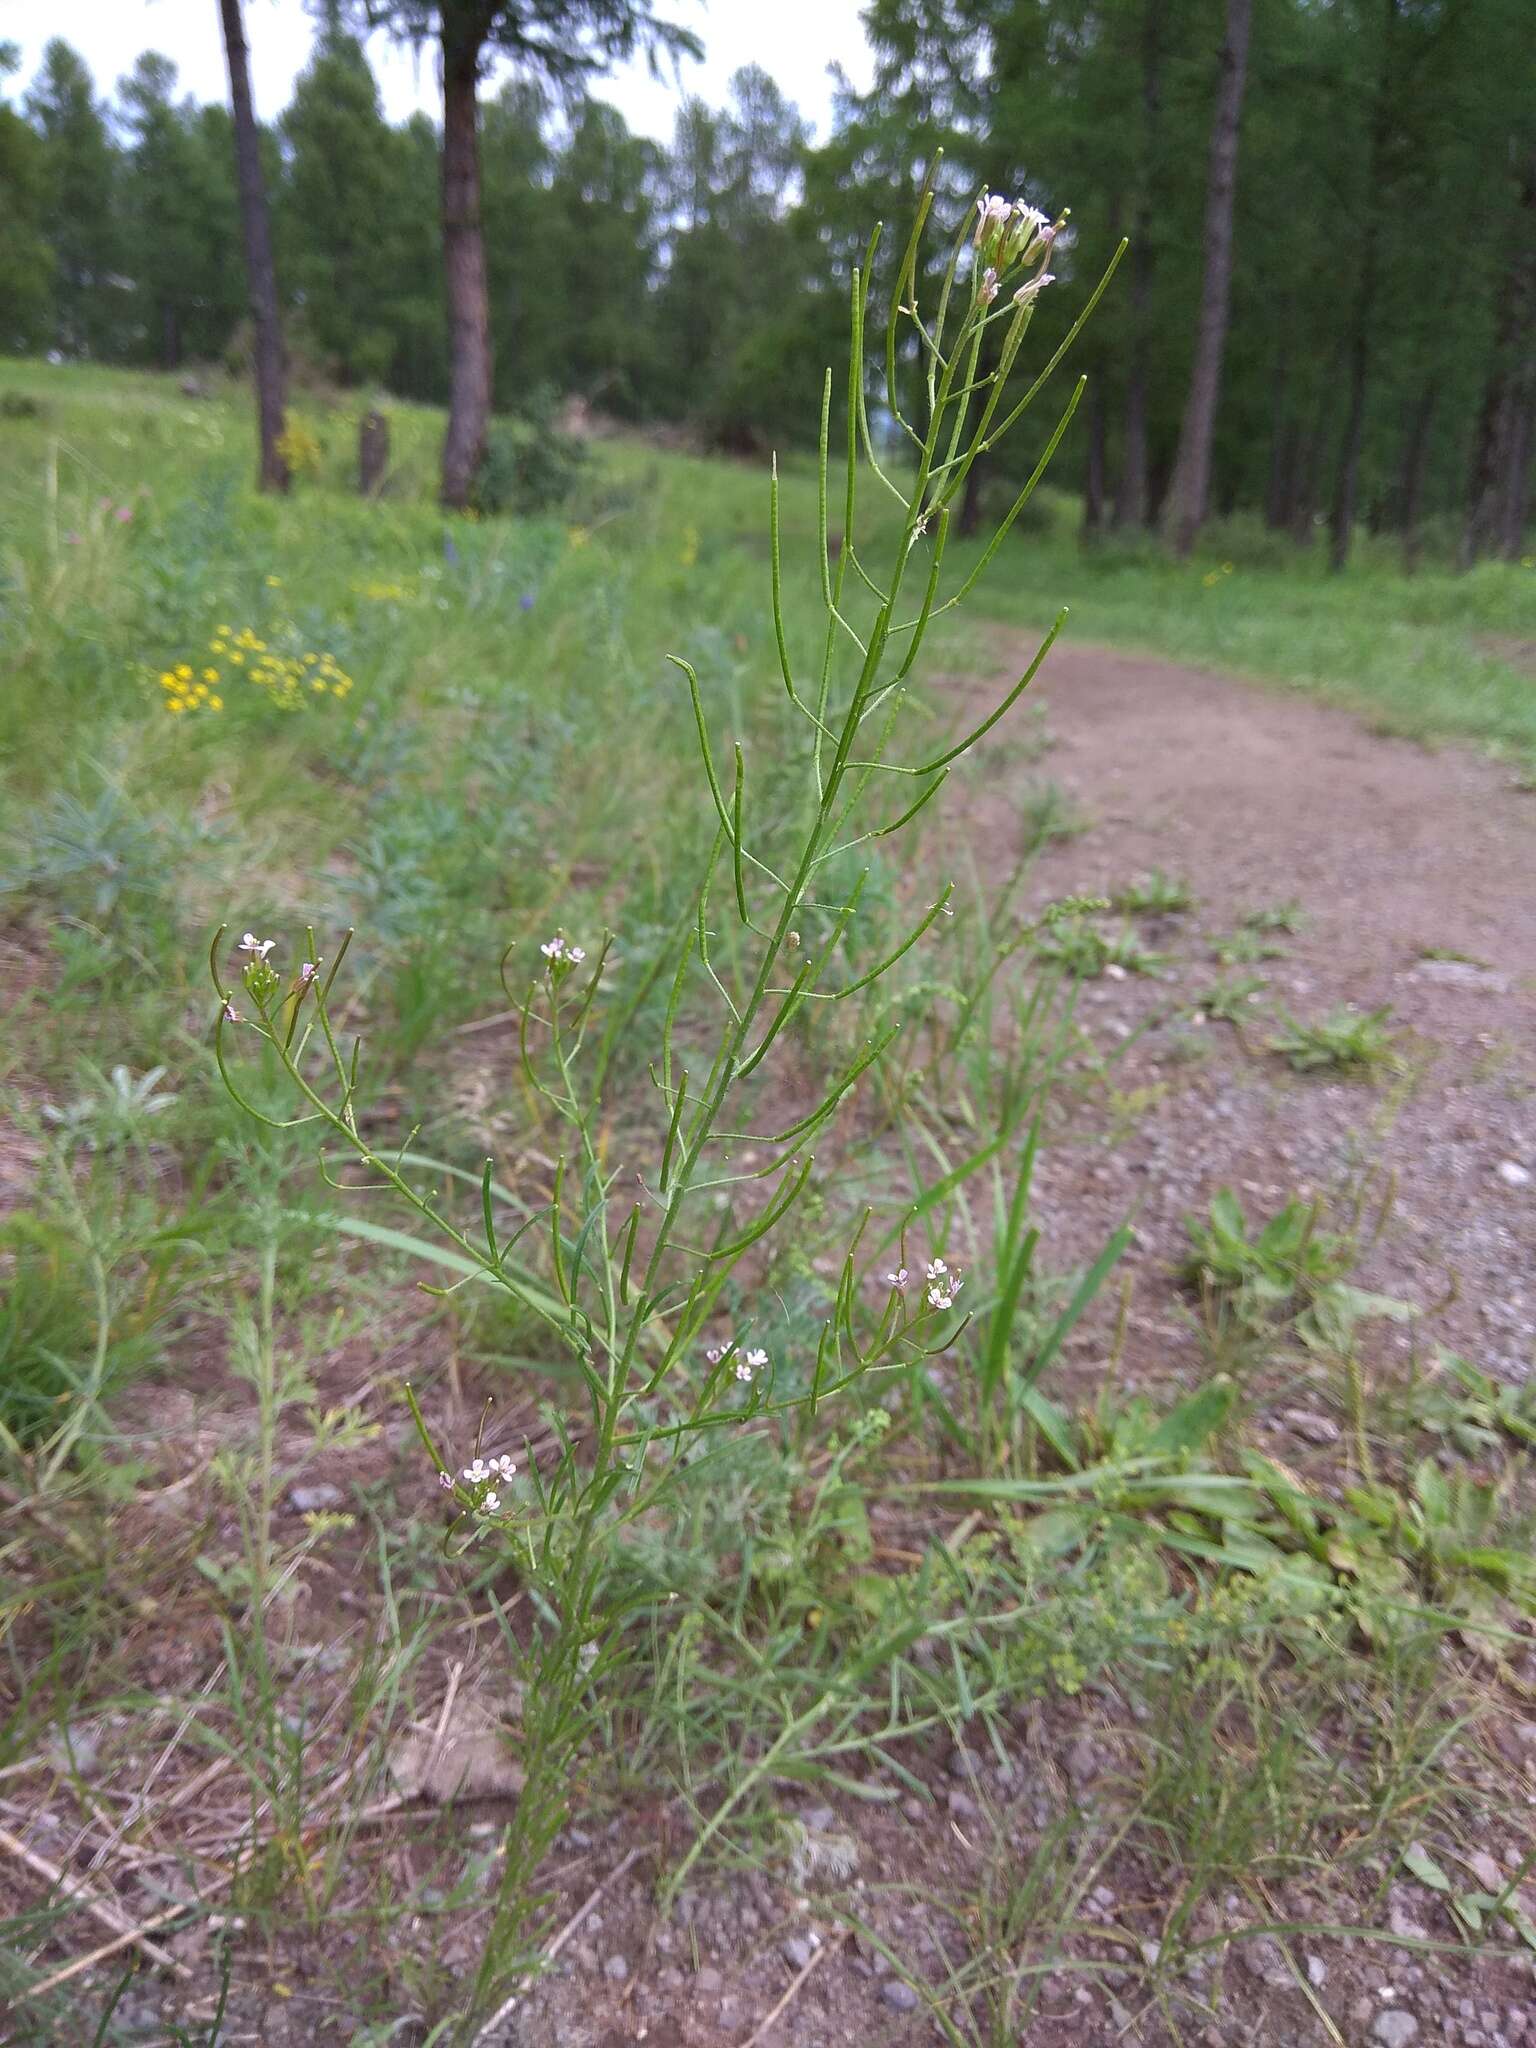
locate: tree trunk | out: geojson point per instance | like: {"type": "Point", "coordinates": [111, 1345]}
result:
{"type": "Point", "coordinates": [1501, 453]}
{"type": "Point", "coordinates": [469, 314]}
{"type": "Point", "coordinates": [1411, 483]}
{"type": "Point", "coordinates": [1131, 503]}
{"type": "Point", "coordinates": [1093, 477]}
{"type": "Point", "coordinates": [1191, 483]}
{"type": "Point", "coordinates": [1282, 434]}
{"type": "Point", "coordinates": [1131, 489]}
{"type": "Point", "coordinates": [268, 361]}
{"type": "Point", "coordinates": [1311, 439]}
{"type": "Point", "coordinates": [1341, 517]}
{"type": "Point", "coordinates": [1517, 496]}
{"type": "Point", "coordinates": [1304, 482]}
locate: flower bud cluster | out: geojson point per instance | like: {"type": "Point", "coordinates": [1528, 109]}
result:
{"type": "Point", "coordinates": [1009, 233]}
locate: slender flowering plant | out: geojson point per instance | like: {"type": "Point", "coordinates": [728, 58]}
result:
{"type": "Point", "coordinates": [632, 1264]}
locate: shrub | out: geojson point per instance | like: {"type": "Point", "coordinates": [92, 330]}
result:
{"type": "Point", "coordinates": [530, 467]}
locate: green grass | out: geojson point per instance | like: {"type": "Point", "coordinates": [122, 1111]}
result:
{"type": "Point", "coordinates": [1438, 656]}
{"type": "Point", "coordinates": [194, 1323]}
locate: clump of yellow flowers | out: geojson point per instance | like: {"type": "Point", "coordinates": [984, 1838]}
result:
{"type": "Point", "coordinates": [185, 691]}
{"type": "Point", "coordinates": [290, 680]}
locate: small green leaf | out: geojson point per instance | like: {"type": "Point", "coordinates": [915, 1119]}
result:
{"type": "Point", "coordinates": [1195, 1421]}
{"type": "Point", "coordinates": [1420, 1864]}
{"type": "Point", "coordinates": [1053, 1424]}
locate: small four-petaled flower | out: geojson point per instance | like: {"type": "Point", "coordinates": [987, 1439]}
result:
{"type": "Point", "coordinates": [257, 948]}
{"type": "Point", "coordinates": [943, 1284]}
{"type": "Point", "coordinates": [483, 1476]}
{"type": "Point", "coordinates": [308, 972]}
{"type": "Point", "coordinates": [751, 1363]}
{"type": "Point", "coordinates": [898, 1279]}
{"type": "Point", "coordinates": [561, 953]}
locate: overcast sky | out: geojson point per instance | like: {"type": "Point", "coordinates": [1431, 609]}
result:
{"type": "Point", "coordinates": [794, 40]}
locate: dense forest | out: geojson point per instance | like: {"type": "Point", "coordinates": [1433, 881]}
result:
{"type": "Point", "coordinates": [1330, 206]}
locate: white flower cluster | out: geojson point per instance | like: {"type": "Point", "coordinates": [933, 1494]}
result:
{"type": "Point", "coordinates": [748, 1363]}
{"type": "Point", "coordinates": [482, 1476]}
{"type": "Point", "coordinates": [944, 1283]}
{"type": "Point", "coordinates": [941, 1282]}
{"type": "Point", "coordinates": [560, 953]}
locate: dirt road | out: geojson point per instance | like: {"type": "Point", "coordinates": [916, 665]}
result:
{"type": "Point", "coordinates": [1415, 871]}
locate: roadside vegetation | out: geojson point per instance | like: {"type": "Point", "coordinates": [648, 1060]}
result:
{"type": "Point", "coordinates": [837, 1557]}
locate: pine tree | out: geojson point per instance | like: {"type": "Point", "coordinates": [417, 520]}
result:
{"type": "Point", "coordinates": [343, 214]}
{"type": "Point", "coordinates": [181, 226]}
{"type": "Point", "coordinates": [562, 41]}
{"type": "Point", "coordinates": [80, 210]}
{"type": "Point", "coordinates": [26, 260]}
